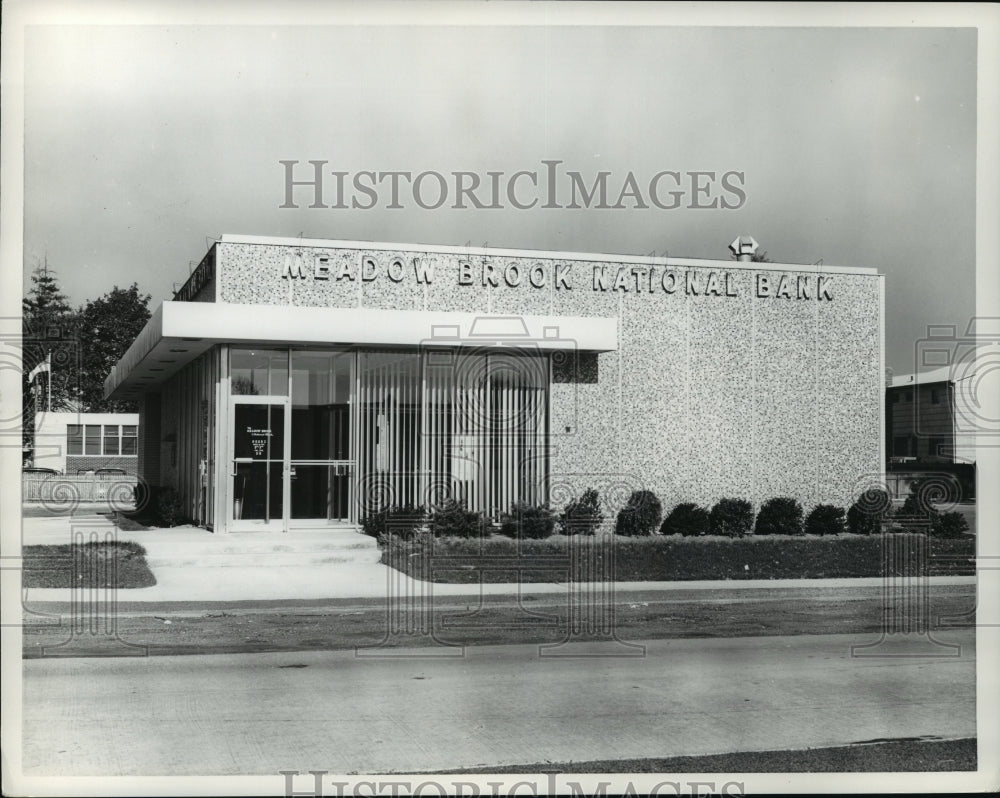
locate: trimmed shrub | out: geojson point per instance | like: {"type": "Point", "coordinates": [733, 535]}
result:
{"type": "Point", "coordinates": [871, 509]}
{"type": "Point", "coordinates": [528, 521]}
{"type": "Point", "coordinates": [731, 517]}
{"type": "Point", "coordinates": [169, 510]}
{"type": "Point", "coordinates": [917, 506]}
{"type": "Point", "coordinates": [825, 519]}
{"type": "Point", "coordinates": [452, 518]}
{"type": "Point", "coordinates": [640, 516]}
{"type": "Point", "coordinates": [779, 516]}
{"type": "Point", "coordinates": [949, 525]}
{"type": "Point", "coordinates": [686, 519]}
{"type": "Point", "coordinates": [403, 521]}
{"type": "Point", "coordinates": [582, 516]}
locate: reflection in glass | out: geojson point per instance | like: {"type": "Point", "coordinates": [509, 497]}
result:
{"type": "Point", "coordinates": [321, 405]}
{"type": "Point", "coordinates": [259, 372]}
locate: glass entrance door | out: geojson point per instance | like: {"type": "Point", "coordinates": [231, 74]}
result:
{"type": "Point", "coordinates": [258, 489]}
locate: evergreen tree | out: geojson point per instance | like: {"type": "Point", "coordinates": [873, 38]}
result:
{"type": "Point", "coordinates": [48, 328]}
{"type": "Point", "coordinates": [44, 302]}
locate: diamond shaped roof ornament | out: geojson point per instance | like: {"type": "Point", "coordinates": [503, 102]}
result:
{"type": "Point", "coordinates": [744, 247]}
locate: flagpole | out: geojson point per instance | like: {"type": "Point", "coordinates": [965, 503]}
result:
{"type": "Point", "coordinates": [48, 359]}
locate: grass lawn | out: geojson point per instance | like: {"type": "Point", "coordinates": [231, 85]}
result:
{"type": "Point", "coordinates": [100, 564]}
{"type": "Point", "coordinates": [343, 624]}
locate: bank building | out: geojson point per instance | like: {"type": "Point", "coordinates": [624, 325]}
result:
{"type": "Point", "coordinates": [296, 383]}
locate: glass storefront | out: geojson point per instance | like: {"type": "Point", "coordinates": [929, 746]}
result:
{"type": "Point", "coordinates": [321, 464]}
{"type": "Point", "coordinates": [325, 436]}
{"type": "Point", "coordinates": [259, 372]}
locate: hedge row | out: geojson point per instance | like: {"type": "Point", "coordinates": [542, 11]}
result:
{"type": "Point", "coordinates": [453, 519]}
{"type": "Point", "coordinates": [656, 558]}
{"type": "Point", "coordinates": [643, 516]}
{"type": "Point", "coordinates": [869, 515]}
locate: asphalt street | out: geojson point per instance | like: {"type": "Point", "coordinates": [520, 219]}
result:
{"type": "Point", "coordinates": [407, 710]}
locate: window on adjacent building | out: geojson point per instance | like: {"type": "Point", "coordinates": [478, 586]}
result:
{"type": "Point", "coordinates": [74, 439]}
{"type": "Point", "coordinates": [107, 440]}
{"type": "Point", "coordinates": [111, 439]}
{"type": "Point", "coordinates": [92, 442]}
{"type": "Point", "coordinates": [901, 446]}
{"type": "Point", "coordinates": [130, 438]}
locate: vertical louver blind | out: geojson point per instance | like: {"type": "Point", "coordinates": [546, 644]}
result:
{"type": "Point", "coordinates": [468, 425]}
{"type": "Point", "coordinates": [516, 420]}
{"type": "Point", "coordinates": [390, 401]}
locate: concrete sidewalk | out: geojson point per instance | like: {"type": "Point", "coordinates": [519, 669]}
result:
{"type": "Point", "coordinates": [180, 579]}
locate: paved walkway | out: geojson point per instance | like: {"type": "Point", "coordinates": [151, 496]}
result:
{"type": "Point", "coordinates": [360, 580]}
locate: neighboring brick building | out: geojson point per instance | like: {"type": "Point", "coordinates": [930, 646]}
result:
{"type": "Point", "coordinates": [72, 443]}
{"type": "Point", "coordinates": [929, 427]}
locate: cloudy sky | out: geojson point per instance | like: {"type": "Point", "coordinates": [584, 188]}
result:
{"type": "Point", "coordinates": [857, 145]}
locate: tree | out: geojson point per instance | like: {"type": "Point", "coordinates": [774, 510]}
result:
{"type": "Point", "coordinates": [44, 302]}
{"type": "Point", "coordinates": [49, 348]}
{"type": "Point", "coordinates": [48, 327]}
{"type": "Point", "coordinates": [108, 325]}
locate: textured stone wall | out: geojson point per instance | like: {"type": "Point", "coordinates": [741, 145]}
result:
{"type": "Point", "coordinates": [708, 395]}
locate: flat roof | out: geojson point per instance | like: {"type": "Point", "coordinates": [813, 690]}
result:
{"type": "Point", "coordinates": [179, 332]}
{"type": "Point", "coordinates": [941, 374]}
{"type": "Point", "coordinates": [324, 243]}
